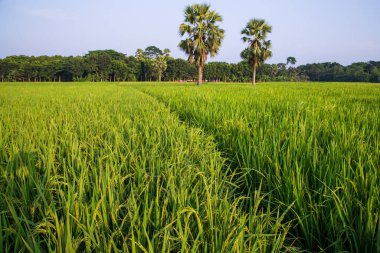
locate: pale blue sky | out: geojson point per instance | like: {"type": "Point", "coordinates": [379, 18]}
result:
{"type": "Point", "coordinates": [344, 31]}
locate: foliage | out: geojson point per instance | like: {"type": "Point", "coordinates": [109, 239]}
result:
{"type": "Point", "coordinates": [311, 147]}
{"type": "Point", "coordinates": [152, 52]}
{"type": "Point", "coordinates": [258, 50]}
{"type": "Point", "coordinates": [291, 60]}
{"type": "Point", "coordinates": [130, 168]}
{"type": "Point", "coordinates": [108, 168]}
{"type": "Point", "coordinates": [114, 66]}
{"type": "Point", "coordinates": [203, 35]}
{"type": "Point", "coordinates": [153, 63]}
{"type": "Point", "coordinates": [179, 69]}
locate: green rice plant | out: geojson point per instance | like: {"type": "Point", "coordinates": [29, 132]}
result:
{"type": "Point", "coordinates": [312, 146]}
{"type": "Point", "coordinates": [107, 168]}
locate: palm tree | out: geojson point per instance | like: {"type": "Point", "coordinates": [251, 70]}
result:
{"type": "Point", "coordinates": [159, 66]}
{"type": "Point", "coordinates": [258, 51]}
{"type": "Point", "coordinates": [204, 36]}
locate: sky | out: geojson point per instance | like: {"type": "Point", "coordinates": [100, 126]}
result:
{"type": "Point", "coordinates": [343, 31]}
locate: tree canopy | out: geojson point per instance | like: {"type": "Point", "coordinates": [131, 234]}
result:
{"type": "Point", "coordinates": [258, 50]}
{"type": "Point", "coordinates": [109, 65]}
{"type": "Point", "coordinates": [203, 36]}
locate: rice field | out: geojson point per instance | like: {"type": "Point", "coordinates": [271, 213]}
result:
{"type": "Point", "coordinates": [281, 167]}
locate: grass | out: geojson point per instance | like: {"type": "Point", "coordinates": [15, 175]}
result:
{"type": "Point", "coordinates": [313, 146]}
{"type": "Point", "coordinates": [168, 168]}
{"type": "Point", "coordinates": [111, 169]}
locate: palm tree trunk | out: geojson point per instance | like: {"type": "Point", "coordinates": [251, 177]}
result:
{"type": "Point", "coordinates": [200, 74]}
{"type": "Point", "coordinates": [254, 74]}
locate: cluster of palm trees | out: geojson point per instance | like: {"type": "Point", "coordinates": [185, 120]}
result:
{"type": "Point", "coordinates": [204, 37]}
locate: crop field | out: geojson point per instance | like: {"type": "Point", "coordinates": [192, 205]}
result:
{"type": "Point", "coordinates": [134, 167]}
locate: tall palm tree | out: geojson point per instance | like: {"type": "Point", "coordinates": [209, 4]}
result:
{"type": "Point", "coordinates": [255, 34]}
{"type": "Point", "coordinates": [203, 35]}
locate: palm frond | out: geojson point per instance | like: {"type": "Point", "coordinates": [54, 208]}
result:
{"type": "Point", "coordinates": [203, 34]}
{"type": "Point", "coordinates": [255, 33]}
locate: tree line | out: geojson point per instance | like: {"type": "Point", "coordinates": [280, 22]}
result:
{"type": "Point", "coordinates": [109, 65]}
{"type": "Point", "coordinates": [202, 38]}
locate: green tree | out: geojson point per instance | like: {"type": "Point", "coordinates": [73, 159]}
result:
{"type": "Point", "coordinates": [118, 70]}
{"type": "Point", "coordinates": [159, 66]}
{"type": "Point", "coordinates": [273, 71]}
{"type": "Point", "coordinates": [68, 69]}
{"type": "Point", "coordinates": [133, 68]}
{"type": "Point", "coordinates": [203, 35]}
{"type": "Point", "coordinates": [153, 62]}
{"type": "Point", "coordinates": [375, 75]}
{"type": "Point", "coordinates": [258, 51]}
{"type": "Point", "coordinates": [141, 58]}
{"type": "Point", "coordinates": [99, 63]}
{"type": "Point", "coordinates": [3, 69]}
{"type": "Point", "coordinates": [291, 60]}
{"type": "Point", "coordinates": [140, 55]}
{"type": "Point", "coordinates": [167, 52]}
{"type": "Point", "coordinates": [153, 52]}
{"type": "Point", "coordinates": [179, 69]}
{"type": "Point", "coordinates": [292, 72]}
{"type": "Point", "coordinates": [218, 71]}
